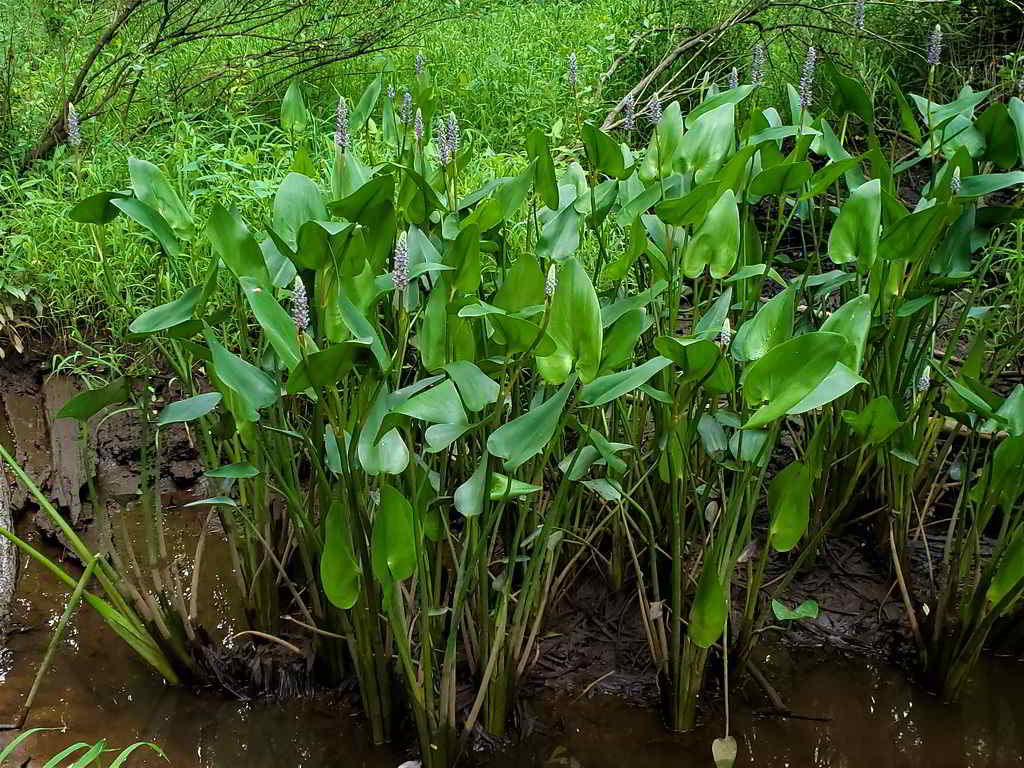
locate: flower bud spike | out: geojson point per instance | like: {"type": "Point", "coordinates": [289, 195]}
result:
{"type": "Point", "coordinates": [654, 111]}
{"type": "Point", "coordinates": [74, 128]}
{"type": "Point", "coordinates": [757, 67]}
{"type": "Point", "coordinates": [406, 113]}
{"type": "Point", "coordinates": [300, 305]}
{"type": "Point", "coordinates": [859, 12]}
{"type": "Point", "coordinates": [400, 266]}
{"type": "Point", "coordinates": [551, 282]}
{"type": "Point", "coordinates": [453, 135]}
{"type": "Point", "coordinates": [629, 107]}
{"type": "Point", "coordinates": [807, 78]}
{"type": "Point", "coordinates": [935, 47]}
{"type": "Point", "coordinates": [341, 125]}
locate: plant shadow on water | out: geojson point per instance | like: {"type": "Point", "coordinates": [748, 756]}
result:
{"type": "Point", "coordinates": [871, 714]}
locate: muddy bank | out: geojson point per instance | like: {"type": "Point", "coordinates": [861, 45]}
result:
{"type": "Point", "coordinates": [61, 460]}
{"type": "Point", "coordinates": [8, 558]}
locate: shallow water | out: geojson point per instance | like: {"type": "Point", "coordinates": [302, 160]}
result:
{"type": "Point", "coordinates": [875, 718]}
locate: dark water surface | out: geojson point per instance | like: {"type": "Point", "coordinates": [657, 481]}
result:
{"type": "Point", "coordinates": [876, 718]}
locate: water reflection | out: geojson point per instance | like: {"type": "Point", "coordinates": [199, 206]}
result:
{"type": "Point", "coordinates": [875, 719]}
{"type": "Point", "coordinates": [870, 716]}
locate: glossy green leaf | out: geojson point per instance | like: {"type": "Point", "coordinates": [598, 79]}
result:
{"type": "Point", "coordinates": [708, 141]}
{"type": "Point", "coordinates": [639, 204]}
{"type": "Point", "coordinates": [707, 616]}
{"type": "Point", "coordinates": [213, 501]}
{"type": "Point", "coordinates": [1015, 108]}
{"type": "Point", "coordinates": [523, 438]}
{"type": "Point", "coordinates": [362, 331]}
{"type": "Point", "coordinates": [750, 445]}
{"type": "Point", "coordinates": [852, 321]}
{"type": "Point", "coordinates": [1002, 481]}
{"type": "Point", "coordinates": [688, 210]}
{"type": "Point", "coordinates": [716, 243]}
{"type": "Point", "coordinates": [393, 539]}
{"type": "Point", "coordinates": [97, 209]}
{"type": "Point", "coordinates": [699, 360]}
{"type": "Point", "coordinates": [87, 404]}
{"type": "Point", "coordinates": [152, 221]}
{"type": "Point", "coordinates": [607, 388]}
{"type": "Point", "coordinates": [464, 256]}
{"type": "Point", "coordinates": [781, 179]}
{"type": "Point", "coordinates": [387, 455]}
{"type": "Point", "coordinates": [664, 146]}
{"type": "Point", "coordinates": [232, 241]}
{"type": "Point", "coordinates": [432, 338]}
{"type": "Point", "coordinates": [876, 422]}
{"type": "Point", "coordinates": [914, 236]}
{"type": "Point", "coordinates": [298, 200]}
{"type": "Point", "coordinates": [278, 326]}
{"type": "Point", "coordinates": [771, 326]}
{"type": "Point", "coordinates": [936, 114]}
{"type": "Point", "coordinates": [523, 286]}
{"type": "Point", "coordinates": [280, 267]}
{"type": "Point", "coordinates": [189, 409]}
{"type": "Point", "coordinates": [854, 236]}
{"type": "Point", "coordinates": [233, 472]}
{"type": "Point", "coordinates": [825, 177]}
{"type": "Point", "coordinates": [711, 322]}
{"type": "Point", "coordinates": [604, 153]}
{"type": "Point", "coordinates": [545, 183]}
{"type": "Point", "coordinates": [1010, 414]}
{"type": "Point", "coordinates": [362, 204]}
{"type": "Point", "coordinates": [503, 487]}
{"type": "Point", "coordinates": [986, 184]}
{"type": "Point", "coordinates": [620, 340]}
{"type": "Point", "coordinates": [254, 389]}
{"type": "Point", "coordinates": [323, 369]}
{"type": "Point", "coordinates": [152, 188]}
{"type": "Point", "coordinates": [168, 315]}
{"type": "Point", "coordinates": [848, 95]}
{"type": "Point", "coordinates": [560, 236]}
{"type": "Point", "coordinates": [575, 325]}
{"type": "Point", "coordinates": [840, 380]}
{"type": "Point", "coordinates": [789, 503]}
{"type": "Point", "coordinates": [339, 569]}
{"type": "Point", "coordinates": [1000, 133]}
{"type": "Point", "coordinates": [475, 387]}
{"type": "Point", "coordinates": [294, 115]}
{"type": "Point", "coordinates": [469, 497]}
{"type": "Point", "coordinates": [366, 104]}
{"type": "Point", "coordinates": [439, 404]}
{"type": "Point", "coordinates": [808, 609]}
{"type": "Point", "coordinates": [786, 374]}
{"type": "Point", "coordinates": [730, 96]}
{"type": "Point", "coordinates": [1010, 572]}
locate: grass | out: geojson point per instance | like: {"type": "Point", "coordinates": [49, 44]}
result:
{"type": "Point", "coordinates": [502, 71]}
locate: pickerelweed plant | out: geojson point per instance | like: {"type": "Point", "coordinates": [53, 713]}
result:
{"type": "Point", "coordinates": [429, 402]}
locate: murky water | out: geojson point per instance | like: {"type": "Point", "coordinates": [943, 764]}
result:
{"type": "Point", "coordinates": [870, 715]}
